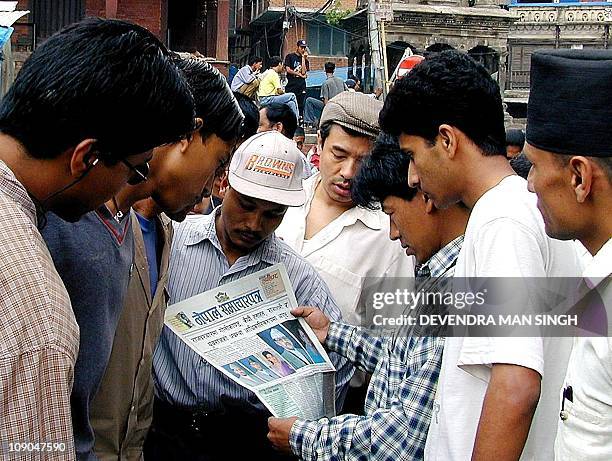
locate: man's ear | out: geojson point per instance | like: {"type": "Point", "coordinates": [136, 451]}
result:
{"type": "Point", "coordinates": [448, 139]}
{"type": "Point", "coordinates": [83, 158]}
{"type": "Point", "coordinates": [223, 185]}
{"type": "Point", "coordinates": [429, 204]}
{"type": "Point", "coordinates": [581, 171]}
{"type": "Point", "coordinates": [184, 143]}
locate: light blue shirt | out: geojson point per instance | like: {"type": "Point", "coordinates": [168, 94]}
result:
{"type": "Point", "coordinates": [198, 264]}
{"type": "Point", "coordinates": [244, 76]}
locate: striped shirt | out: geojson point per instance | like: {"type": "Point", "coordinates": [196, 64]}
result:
{"type": "Point", "coordinates": [399, 402]}
{"type": "Point", "coordinates": [39, 336]}
{"type": "Point", "coordinates": [198, 264]}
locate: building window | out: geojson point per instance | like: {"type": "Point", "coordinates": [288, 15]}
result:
{"type": "Point", "coordinates": [324, 40]}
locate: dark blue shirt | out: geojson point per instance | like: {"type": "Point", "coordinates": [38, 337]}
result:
{"type": "Point", "coordinates": [93, 257]}
{"type": "Point", "coordinates": [149, 235]}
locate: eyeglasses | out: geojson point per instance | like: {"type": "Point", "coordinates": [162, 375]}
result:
{"type": "Point", "coordinates": [140, 172]}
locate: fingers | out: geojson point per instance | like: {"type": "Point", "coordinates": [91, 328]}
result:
{"type": "Point", "coordinates": [302, 311]}
{"type": "Point", "coordinates": [271, 425]}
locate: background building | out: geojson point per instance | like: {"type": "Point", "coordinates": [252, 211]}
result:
{"type": "Point", "coordinates": [565, 24]}
{"type": "Point", "coordinates": [184, 25]}
{"type": "Point", "coordinates": [276, 25]}
{"type": "Point", "coordinates": [501, 35]}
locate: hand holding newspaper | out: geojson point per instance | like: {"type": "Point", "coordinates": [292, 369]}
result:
{"type": "Point", "coordinates": [246, 331]}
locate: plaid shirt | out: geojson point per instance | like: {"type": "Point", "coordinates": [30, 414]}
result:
{"type": "Point", "coordinates": [39, 336]}
{"type": "Point", "coordinates": [399, 402]}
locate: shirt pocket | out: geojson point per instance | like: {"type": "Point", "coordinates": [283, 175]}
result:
{"type": "Point", "coordinates": [584, 426]}
{"type": "Point", "coordinates": [345, 287]}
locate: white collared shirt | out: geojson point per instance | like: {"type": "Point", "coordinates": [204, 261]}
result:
{"type": "Point", "coordinates": [354, 245]}
{"type": "Point", "coordinates": [586, 434]}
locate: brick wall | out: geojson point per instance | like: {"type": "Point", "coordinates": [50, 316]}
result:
{"type": "Point", "coordinates": [95, 8]}
{"type": "Point", "coordinates": [147, 13]}
{"type": "Point", "coordinates": [317, 62]}
{"type": "Point", "coordinates": [22, 38]}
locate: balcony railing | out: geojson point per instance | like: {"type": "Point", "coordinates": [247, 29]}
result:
{"type": "Point", "coordinates": [563, 13]}
{"type": "Point", "coordinates": [519, 80]}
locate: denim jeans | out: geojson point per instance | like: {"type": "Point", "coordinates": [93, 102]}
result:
{"type": "Point", "coordinates": [313, 110]}
{"type": "Point", "coordinates": [287, 98]}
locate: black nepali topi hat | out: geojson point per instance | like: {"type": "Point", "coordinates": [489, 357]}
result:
{"type": "Point", "coordinates": [570, 102]}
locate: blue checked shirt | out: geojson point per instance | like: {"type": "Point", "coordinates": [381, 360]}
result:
{"type": "Point", "coordinates": [399, 402]}
{"type": "Point", "coordinates": [198, 264]}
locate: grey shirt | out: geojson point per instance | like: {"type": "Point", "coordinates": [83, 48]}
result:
{"type": "Point", "coordinates": [332, 87]}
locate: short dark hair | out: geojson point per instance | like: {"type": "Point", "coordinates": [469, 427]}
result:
{"type": "Point", "coordinates": [299, 131]}
{"type": "Point", "coordinates": [521, 165]}
{"type": "Point", "coordinates": [254, 59]}
{"type": "Point", "coordinates": [382, 174]}
{"type": "Point", "coordinates": [330, 67]}
{"type": "Point", "coordinates": [282, 113]}
{"type": "Point", "coordinates": [103, 79]}
{"type": "Point", "coordinates": [447, 87]}
{"type": "Point", "coordinates": [515, 137]}
{"type": "Point", "coordinates": [214, 100]}
{"type": "Point", "coordinates": [251, 115]}
{"type": "Point", "coordinates": [327, 126]}
{"type": "Point", "coordinates": [274, 61]}
{"type": "Point", "coordinates": [606, 164]}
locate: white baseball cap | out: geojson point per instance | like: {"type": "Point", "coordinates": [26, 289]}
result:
{"type": "Point", "coordinates": [268, 166]}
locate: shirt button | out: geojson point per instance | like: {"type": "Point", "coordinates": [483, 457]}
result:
{"type": "Point", "coordinates": [133, 408]}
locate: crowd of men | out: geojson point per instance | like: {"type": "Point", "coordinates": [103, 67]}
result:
{"type": "Point", "coordinates": [126, 185]}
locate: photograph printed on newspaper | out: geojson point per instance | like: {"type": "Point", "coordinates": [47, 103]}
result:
{"type": "Point", "coordinates": [246, 330]}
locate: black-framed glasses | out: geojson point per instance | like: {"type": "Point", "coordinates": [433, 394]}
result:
{"type": "Point", "coordinates": [140, 172]}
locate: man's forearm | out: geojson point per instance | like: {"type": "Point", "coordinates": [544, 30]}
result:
{"type": "Point", "coordinates": [510, 402]}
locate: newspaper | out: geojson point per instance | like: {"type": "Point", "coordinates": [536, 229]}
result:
{"type": "Point", "coordinates": [246, 331]}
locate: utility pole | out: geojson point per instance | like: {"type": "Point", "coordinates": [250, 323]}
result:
{"type": "Point", "coordinates": [385, 62]}
{"type": "Point", "coordinates": [376, 65]}
{"type": "Point", "coordinates": [379, 12]}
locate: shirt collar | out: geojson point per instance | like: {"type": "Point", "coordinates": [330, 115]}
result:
{"type": "Point", "coordinates": [600, 267]}
{"type": "Point", "coordinates": [445, 258]}
{"type": "Point", "coordinates": [204, 228]}
{"type": "Point", "coordinates": [11, 186]}
{"type": "Point", "coordinates": [370, 218]}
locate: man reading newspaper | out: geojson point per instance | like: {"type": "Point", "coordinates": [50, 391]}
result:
{"type": "Point", "coordinates": [200, 413]}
